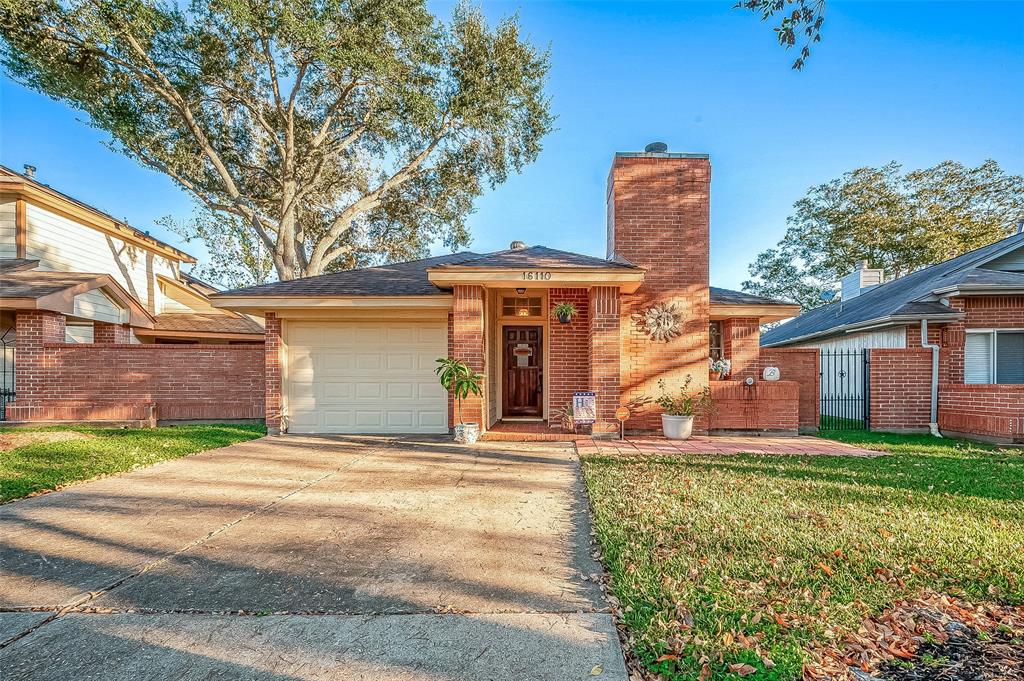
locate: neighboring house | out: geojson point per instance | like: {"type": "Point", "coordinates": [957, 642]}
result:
{"type": "Point", "coordinates": [355, 351]}
{"type": "Point", "coordinates": [971, 308]}
{"type": "Point", "coordinates": [107, 281]}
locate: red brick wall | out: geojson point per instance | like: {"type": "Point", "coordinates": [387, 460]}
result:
{"type": "Point", "coordinates": [741, 337]}
{"type": "Point", "coordinates": [96, 382]}
{"type": "Point", "coordinates": [990, 410]}
{"type": "Point", "coordinates": [800, 365]}
{"type": "Point", "coordinates": [467, 344]}
{"type": "Point", "coordinates": [605, 337]}
{"type": "Point", "coordinates": [33, 330]}
{"type": "Point", "coordinates": [272, 357]}
{"type": "Point", "coordinates": [764, 406]}
{"type": "Point", "coordinates": [981, 312]}
{"type": "Point", "coordinates": [104, 333]}
{"type": "Point", "coordinates": [658, 218]}
{"type": "Point", "coordinates": [901, 380]}
{"type": "Point", "coordinates": [568, 349]}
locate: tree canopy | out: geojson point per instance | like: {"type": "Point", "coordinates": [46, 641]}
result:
{"type": "Point", "coordinates": [315, 133]}
{"type": "Point", "coordinates": [798, 21]}
{"type": "Point", "coordinates": [897, 221]}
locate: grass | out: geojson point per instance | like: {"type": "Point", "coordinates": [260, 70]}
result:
{"type": "Point", "coordinates": [40, 466]}
{"type": "Point", "coordinates": [753, 560]}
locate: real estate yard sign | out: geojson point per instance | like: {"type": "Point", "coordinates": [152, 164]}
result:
{"type": "Point", "coordinates": [584, 407]}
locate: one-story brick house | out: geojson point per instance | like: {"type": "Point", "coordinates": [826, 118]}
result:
{"type": "Point", "coordinates": [354, 351]}
{"type": "Point", "coordinates": [967, 376]}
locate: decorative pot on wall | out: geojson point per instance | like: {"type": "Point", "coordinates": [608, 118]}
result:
{"type": "Point", "coordinates": [565, 318]}
{"type": "Point", "coordinates": [677, 427]}
{"type": "Point", "coordinates": [467, 433]}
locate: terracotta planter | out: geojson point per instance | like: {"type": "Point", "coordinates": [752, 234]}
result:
{"type": "Point", "coordinates": [677, 427]}
{"type": "Point", "coordinates": [467, 433]}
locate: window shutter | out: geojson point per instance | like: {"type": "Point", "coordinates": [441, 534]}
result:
{"type": "Point", "coordinates": [1010, 357]}
{"type": "Point", "coordinates": [978, 358]}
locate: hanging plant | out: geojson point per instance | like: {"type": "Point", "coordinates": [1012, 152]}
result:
{"type": "Point", "coordinates": [662, 322]}
{"type": "Point", "coordinates": [565, 312]}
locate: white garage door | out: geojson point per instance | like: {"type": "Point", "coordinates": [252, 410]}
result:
{"type": "Point", "coordinates": [365, 377]}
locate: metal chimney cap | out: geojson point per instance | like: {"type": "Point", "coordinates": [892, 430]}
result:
{"type": "Point", "coordinates": [518, 246]}
{"type": "Point", "coordinates": [656, 148]}
{"type": "Point", "coordinates": [30, 170]}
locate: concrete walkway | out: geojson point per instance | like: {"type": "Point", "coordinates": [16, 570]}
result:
{"type": "Point", "coordinates": [311, 558]}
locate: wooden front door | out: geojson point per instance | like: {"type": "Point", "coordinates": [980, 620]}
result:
{"type": "Point", "coordinates": [523, 384]}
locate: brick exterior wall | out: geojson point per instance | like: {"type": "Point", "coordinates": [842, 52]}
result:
{"type": "Point", "coordinates": [273, 346]}
{"type": "Point", "coordinates": [71, 381]}
{"type": "Point", "coordinates": [568, 349]}
{"type": "Point", "coordinates": [802, 366]}
{"type": "Point", "coordinates": [103, 333]}
{"type": "Point", "coordinates": [741, 338]}
{"type": "Point", "coordinates": [605, 336]}
{"type": "Point", "coordinates": [981, 312]}
{"type": "Point", "coordinates": [995, 411]}
{"type": "Point", "coordinates": [467, 344]}
{"type": "Point", "coordinates": [764, 406]}
{"type": "Point", "coordinates": [901, 380]}
{"type": "Point", "coordinates": [658, 218]}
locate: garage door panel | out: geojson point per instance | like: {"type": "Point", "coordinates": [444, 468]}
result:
{"type": "Point", "coordinates": [366, 377]}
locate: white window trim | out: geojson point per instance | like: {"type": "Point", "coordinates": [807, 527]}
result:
{"type": "Point", "coordinates": [995, 350]}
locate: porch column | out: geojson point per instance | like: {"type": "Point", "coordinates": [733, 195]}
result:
{"type": "Point", "coordinates": [106, 334]}
{"type": "Point", "coordinates": [467, 345]}
{"type": "Point", "coordinates": [33, 330]}
{"type": "Point", "coordinates": [605, 345]}
{"type": "Point", "coordinates": [272, 347]}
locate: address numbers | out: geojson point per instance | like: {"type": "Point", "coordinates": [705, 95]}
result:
{"type": "Point", "coordinates": [536, 276]}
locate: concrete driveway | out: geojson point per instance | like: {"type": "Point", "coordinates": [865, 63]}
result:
{"type": "Point", "coordinates": [311, 558]}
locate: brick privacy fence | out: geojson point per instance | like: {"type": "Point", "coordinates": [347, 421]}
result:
{"type": "Point", "coordinates": [800, 365]}
{"type": "Point", "coordinates": [59, 381]}
{"type": "Point", "coordinates": [119, 381]}
{"type": "Point", "coordinates": [901, 389]}
{"type": "Point", "coordinates": [764, 406]}
{"type": "Point", "coordinates": [989, 410]}
{"type": "Point", "coordinates": [568, 349]}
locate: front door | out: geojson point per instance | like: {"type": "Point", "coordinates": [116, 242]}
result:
{"type": "Point", "coordinates": [523, 385]}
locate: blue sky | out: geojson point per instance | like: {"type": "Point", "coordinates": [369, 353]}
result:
{"type": "Point", "coordinates": [913, 82]}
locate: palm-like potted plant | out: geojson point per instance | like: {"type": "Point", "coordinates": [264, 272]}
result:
{"type": "Point", "coordinates": [681, 407]}
{"type": "Point", "coordinates": [565, 311]}
{"type": "Point", "coordinates": [458, 378]}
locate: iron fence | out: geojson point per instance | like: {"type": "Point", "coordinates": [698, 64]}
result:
{"type": "Point", "coordinates": [845, 390]}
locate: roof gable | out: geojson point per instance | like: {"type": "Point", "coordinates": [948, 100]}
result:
{"type": "Point", "coordinates": [537, 257]}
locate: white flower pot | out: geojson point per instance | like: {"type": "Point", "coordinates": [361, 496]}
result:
{"type": "Point", "coordinates": [677, 427]}
{"type": "Point", "coordinates": [467, 433]}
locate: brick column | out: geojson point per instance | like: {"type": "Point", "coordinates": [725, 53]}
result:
{"type": "Point", "coordinates": [33, 329]}
{"type": "Point", "coordinates": [568, 349]}
{"type": "Point", "coordinates": [741, 337]}
{"type": "Point", "coordinates": [106, 334]}
{"type": "Point", "coordinates": [272, 348]}
{"type": "Point", "coordinates": [467, 345]}
{"type": "Point", "coordinates": [605, 346]}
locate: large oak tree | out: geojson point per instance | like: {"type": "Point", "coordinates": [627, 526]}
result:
{"type": "Point", "coordinates": [315, 131]}
{"type": "Point", "coordinates": [897, 221]}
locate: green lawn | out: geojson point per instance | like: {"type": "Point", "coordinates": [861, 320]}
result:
{"type": "Point", "coordinates": [46, 465]}
{"type": "Point", "coordinates": [738, 560]}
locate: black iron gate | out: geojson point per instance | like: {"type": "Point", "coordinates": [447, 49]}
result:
{"type": "Point", "coordinates": [845, 390]}
{"type": "Point", "coordinates": [6, 371]}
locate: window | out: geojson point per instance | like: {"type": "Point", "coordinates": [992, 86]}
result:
{"type": "Point", "coordinates": [994, 357]}
{"type": "Point", "coordinates": [520, 307]}
{"type": "Point", "coordinates": [717, 344]}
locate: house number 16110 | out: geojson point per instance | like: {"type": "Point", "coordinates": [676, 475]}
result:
{"type": "Point", "coordinates": [536, 276]}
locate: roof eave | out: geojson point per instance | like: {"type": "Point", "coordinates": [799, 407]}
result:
{"type": "Point", "coordinates": [628, 280]}
{"type": "Point", "coordinates": [878, 322]}
{"type": "Point", "coordinates": [977, 290]}
{"type": "Point", "coordinates": [261, 303]}
{"type": "Point", "coordinates": [767, 312]}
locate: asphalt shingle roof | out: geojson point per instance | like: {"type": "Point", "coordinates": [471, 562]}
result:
{"type": "Point", "coordinates": [35, 284]}
{"type": "Point", "coordinates": [896, 296]}
{"type": "Point", "coordinates": [724, 296]}
{"type": "Point", "coordinates": [205, 322]}
{"type": "Point", "coordinates": [540, 257]}
{"type": "Point", "coordinates": [398, 279]}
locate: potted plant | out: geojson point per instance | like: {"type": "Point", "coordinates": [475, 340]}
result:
{"type": "Point", "coordinates": [680, 408]}
{"type": "Point", "coordinates": [722, 367]}
{"type": "Point", "coordinates": [461, 381]}
{"type": "Point", "coordinates": [565, 312]}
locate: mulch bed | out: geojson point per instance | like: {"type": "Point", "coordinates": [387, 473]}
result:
{"type": "Point", "coordinates": [934, 638]}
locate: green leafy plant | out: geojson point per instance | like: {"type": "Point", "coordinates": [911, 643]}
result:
{"type": "Point", "coordinates": [457, 377]}
{"type": "Point", "coordinates": [685, 402]}
{"type": "Point", "coordinates": [565, 311]}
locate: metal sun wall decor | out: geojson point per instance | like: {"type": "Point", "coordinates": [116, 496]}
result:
{"type": "Point", "coordinates": [663, 321]}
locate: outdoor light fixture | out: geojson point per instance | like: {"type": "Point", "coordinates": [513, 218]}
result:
{"type": "Point", "coordinates": [520, 291]}
{"type": "Point", "coordinates": [523, 312]}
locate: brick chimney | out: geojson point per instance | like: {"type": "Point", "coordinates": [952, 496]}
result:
{"type": "Point", "coordinates": [658, 218]}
